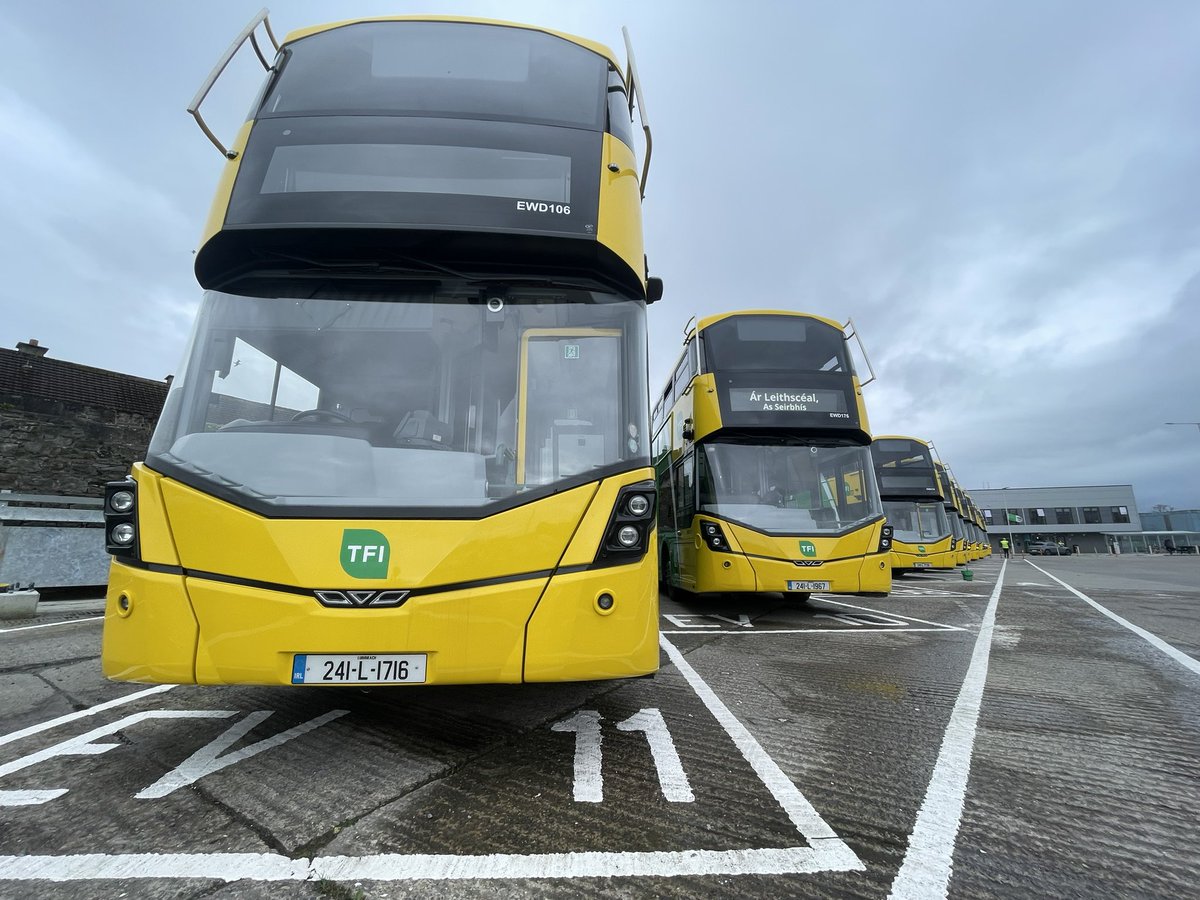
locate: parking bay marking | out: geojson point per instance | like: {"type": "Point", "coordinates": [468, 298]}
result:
{"type": "Point", "coordinates": [925, 871]}
{"type": "Point", "coordinates": [84, 713]}
{"type": "Point", "coordinates": [589, 777]}
{"type": "Point", "coordinates": [203, 762]}
{"type": "Point", "coordinates": [864, 619]}
{"type": "Point", "coordinates": [1152, 639]}
{"type": "Point", "coordinates": [825, 851]}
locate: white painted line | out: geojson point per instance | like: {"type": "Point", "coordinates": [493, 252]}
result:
{"type": "Point", "coordinates": [83, 745]}
{"type": "Point", "coordinates": [784, 861]}
{"type": "Point", "coordinates": [1153, 640]}
{"type": "Point", "coordinates": [215, 866]}
{"type": "Point", "coordinates": [207, 759]}
{"type": "Point", "coordinates": [806, 819]}
{"type": "Point", "coordinates": [886, 613]}
{"type": "Point", "coordinates": [51, 624]}
{"type": "Point", "coordinates": [446, 867]}
{"type": "Point", "coordinates": [766, 631]}
{"type": "Point", "coordinates": [925, 871]}
{"type": "Point", "coordinates": [83, 713]}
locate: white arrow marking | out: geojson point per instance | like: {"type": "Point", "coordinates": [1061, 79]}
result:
{"type": "Point", "coordinates": [207, 759]}
{"type": "Point", "coordinates": [83, 746]}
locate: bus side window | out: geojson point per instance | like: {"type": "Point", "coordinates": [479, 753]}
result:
{"type": "Point", "coordinates": [666, 502]}
{"type": "Point", "coordinates": [685, 489]}
{"type": "Point", "coordinates": [682, 378]}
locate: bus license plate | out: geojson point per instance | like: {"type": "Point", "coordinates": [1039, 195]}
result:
{"type": "Point", "coordinates": [348, 668]}
{"type": "Point", "coordinates": [922, 565]}
{"type": "Point", "coordinates": [808, 585]}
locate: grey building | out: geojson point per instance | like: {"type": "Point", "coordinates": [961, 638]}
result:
{"type": "Point", "coordinates": [1091, 518]}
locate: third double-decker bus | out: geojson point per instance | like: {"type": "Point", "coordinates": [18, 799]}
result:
{"type": "Point", "coordinates": [762, 455]}
{"type": "Point", "coordinates": [409, 442]}
{"type": "Point", "coordinates": [950, 503]}
{"type": "Point", "coordinates": [913, 502]}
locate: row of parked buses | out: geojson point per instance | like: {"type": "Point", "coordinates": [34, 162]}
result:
{"type": "Point", "coordinates": [769, 479]}
{"type": "Point", "coordinates": [410, 442]}
{"type": "Point", "coordinates": [935, 523]}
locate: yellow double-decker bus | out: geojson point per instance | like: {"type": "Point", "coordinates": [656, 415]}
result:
{"type": "Point", "coordinates": [950, 503]}
{"type": "Point", "coordinates": [971, 537]}
{"type": "Point", "coordinates": [409, 443]}
{"type": "Point", "coordinates": [762, 457]}
{"type": "Point", "coordinates": [913, 502]}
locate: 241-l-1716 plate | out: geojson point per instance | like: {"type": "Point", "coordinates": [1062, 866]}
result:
{"type": "Point", "coordinates": [349, 668]}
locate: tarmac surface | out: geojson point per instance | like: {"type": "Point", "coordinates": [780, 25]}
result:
{"type": "Point", "coordinates": [1033, 732]}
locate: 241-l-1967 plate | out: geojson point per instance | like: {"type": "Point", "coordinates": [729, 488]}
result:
{"type": "Point", "coordinates": [349, 668]}
{"type": "Point", "coordinates": [808, 585]}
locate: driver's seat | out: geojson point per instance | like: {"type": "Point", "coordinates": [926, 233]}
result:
{"type": "Point", "coordinates": [420, 429]}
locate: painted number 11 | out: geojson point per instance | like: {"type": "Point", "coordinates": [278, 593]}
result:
{"type": "Point", "coordinates": [589, 778]}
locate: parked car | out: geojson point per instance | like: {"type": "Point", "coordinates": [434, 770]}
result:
{"type": "Point", "coordinates": [1047, 548]}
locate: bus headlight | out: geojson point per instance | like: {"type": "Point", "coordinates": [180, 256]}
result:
{"type": "Point", "coordinates": [629, 533]}
{"type": "Point", "coordinates": [715, 537]}
{"type": "Point", "coordinates": [120, 518]}
{"type": "Point", "coordinates": [123, 534]}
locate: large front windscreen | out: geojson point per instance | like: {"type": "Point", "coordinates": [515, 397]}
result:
{"type": "Point", "coordinates": [916, 522]}
{"type": "Point", "coordinates": [789, 489]}
{"type": "Point", "coordinates": [758, 343]}
{"type": "Point", "coordinates": [442, 398]}
{"type": "Point", "coordinates": [442, 69]}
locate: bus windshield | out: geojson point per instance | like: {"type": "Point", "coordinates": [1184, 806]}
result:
{"type": "Point", "coordinates": [444, 397]}
{"type": "Point", "coordinates": [774, 343]}
{"type": "Point", "coordinates": [442, 69]}
{"type": "Point", "coordinates": [781, 489]}
{"type": "Point", "coordinates": [913, 522]}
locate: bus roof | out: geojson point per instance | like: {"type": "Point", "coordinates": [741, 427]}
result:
{"type": "Point", "coordinates": [594, 46]}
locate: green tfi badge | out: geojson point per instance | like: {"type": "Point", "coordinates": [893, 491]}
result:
{"type": "Point", "coordinates": [920, 548]}
{"type": "Point", "coordinates": [808, 548]}
{"type": "Point", "coordinates": [364, 553]}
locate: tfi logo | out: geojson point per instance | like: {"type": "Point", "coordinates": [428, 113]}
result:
{"type": "Point", "coordinates": [364, 553]}
{"type": "Point", "coordinates": [808, 548]}
{"type": "Point", "coordinates": [920, 549]}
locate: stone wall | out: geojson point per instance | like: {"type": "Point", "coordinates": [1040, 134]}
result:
{"type": "Point", "coordinates": [58, 447]}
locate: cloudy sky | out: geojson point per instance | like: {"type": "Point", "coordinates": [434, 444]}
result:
{"type": "Point", "coordinates": [1005, 196]}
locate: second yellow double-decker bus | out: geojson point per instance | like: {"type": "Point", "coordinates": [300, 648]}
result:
{"type": "Point", "coordinates": [913, 502]}
{"type": "Point", "coordinates": [762, 456]}
{"type": "Point", "coordinates": [409, 443]}
{"type": "Point", "coordinates": [950, 503]}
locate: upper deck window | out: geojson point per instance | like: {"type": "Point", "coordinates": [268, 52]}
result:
{"type": "Point", "coordinates": [774, 343]}
{"type": "Point", "coordinates": [442, 69]}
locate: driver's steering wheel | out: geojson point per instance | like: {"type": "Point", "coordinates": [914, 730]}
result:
{"type": "Point", "coordinates": [326, 413]}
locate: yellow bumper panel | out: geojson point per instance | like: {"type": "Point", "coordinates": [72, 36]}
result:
{"type": "Point", "coordinates": [571, 638]}
{"type": "Point", "coordinates": [470, 636]}
{"type": "Point", "coordinates": [150, 635]}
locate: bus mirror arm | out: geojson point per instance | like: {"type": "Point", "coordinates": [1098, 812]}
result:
{"type": "Point", "coordinates": [854, 334]}
{"type": "Point", "coordinates": [247, 33]}
{"type": "Point", "coordinates": [635, 93]}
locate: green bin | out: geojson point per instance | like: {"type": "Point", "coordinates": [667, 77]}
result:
{"type": "Point", "coordinates": [968, 575]}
